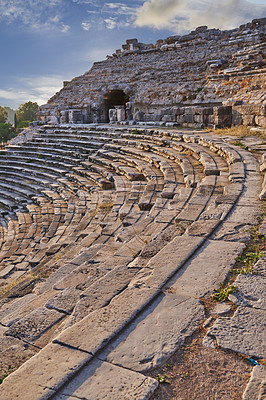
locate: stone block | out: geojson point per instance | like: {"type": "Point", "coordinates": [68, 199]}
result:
{"type": "Point", "coordinates": [101, 380]}
{"type": "Point", "coordinates": [170, 319]}
{"type": "Point", "coordinates": [198, 118]}
{"type": "Point", "coordinates": [33, 325]}
{"type": "Point", "coordinates": [99, 327]}
{"type": "Point", "coordinates": [204, 110]}
{"type": "Point", "coordinates": [222, 110]}
{"type": "Point", "coordinates": [251, 291]}
{"type": "Point", "coordinates": [248, 120]}
{"type": "Point", "coordinates": [64, 301]}
{"type": "Point", "coordinates": [208, 269]}
{"type": "Point", "coordinates": [223, 120]}
{"type": "Point", "coordinates": [43, 374]}
{"type": "Point", "coordinates": [189, 118]}
{"type": "Point", "coordinates": [236, 118]}
{"type": "Point", "coordinates": [260, 120]}
{"type": "Point", "coordinates": [243, 333]}
{"type": "Point", "coordinates": [256, 388]}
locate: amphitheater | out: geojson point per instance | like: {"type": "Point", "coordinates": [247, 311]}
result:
{"type": "Point", "coordinates": [113, 235]}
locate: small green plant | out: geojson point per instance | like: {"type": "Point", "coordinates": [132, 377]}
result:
{"type": "Point", "coordinates": [162, 378]}
{"type": "Point", "coordinates": [136, 132]}
{"type": "Point", "coordinates": [244, 271]}
{"type": "Point", "coordinates": [240, 144]}
{"type": "Point", "coordinates": [223, 293]}
{"type": "Point", "coordinates": [250, 258]}
{"type": "Point", "coordinates": [5, 374]}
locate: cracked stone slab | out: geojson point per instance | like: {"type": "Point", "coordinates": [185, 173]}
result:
{"type": "Point", "coordinates": [103, 381]}
{"type": "Point", "coordinates": [245, 214]}
{"type": "Point", "coordinates": [10, 307]}
{"type": "Point", "coordinates": [202, 228]}
{"type": "Point", "coordinates": [256, 388]}
{"type": "Point", "coordinates": [251, 291]}
{"type": "Point", "coordinates": [207, 269]}
{"type": "Point", "coordinates": [43, 374]}
{"type": "Point", "coordinates": [168, 321]}
{"type": "Point", "coordinates": [64, 301]}
{"type": "Point", "coordinates": [99, 327]}
{"type": "Point", "coordinates": [33, 325]}
{"type": "Point", "coordinates": [233, 232]}
{"type": "Point", "coordinates": [244, 332]}
{"type": "Point", "coordinates": [158, 272]}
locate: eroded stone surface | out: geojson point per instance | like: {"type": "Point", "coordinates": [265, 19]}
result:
{"type": "Point", "coordinates": [101, 380]}
{"type": "Point", "coordinates": [244, 332]}
{"type": "Point", "coordinates": [39, 377]}
{"type": "Point", "coordinates": [207, 269]}
{"type": "Point", "coordinates": [169, 320]}
{"type": "Point", "coordinates": [255, 389]}
{"type": "Point", "coordinates": [251, 291]}
{"type": "Point", "coordinates": [65, 301]}
{"type": "Point", "coordinates": [31, 326]}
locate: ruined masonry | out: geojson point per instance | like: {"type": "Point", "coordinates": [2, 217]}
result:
{"type": "Point", "coordinates": [206, 78]}
{"type": "Point", "coordinates": [89, 214]}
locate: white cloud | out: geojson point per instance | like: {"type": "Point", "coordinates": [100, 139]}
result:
{"type": "Point", "coordinates": [38, 89]}
{"type": "Point", "coordinates": [120, 8]}
{"type": "Point", "coordinates": [36, 14]}
{"type": "Point", "coordinates": [86, 25]}
{"type": "Point", "coordinates": [182, 15]}
{"type": "Point", "coordinates": [111, 23]}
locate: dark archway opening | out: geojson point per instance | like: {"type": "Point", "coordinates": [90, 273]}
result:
{"type": "Point", "coordinates": [115, 98]}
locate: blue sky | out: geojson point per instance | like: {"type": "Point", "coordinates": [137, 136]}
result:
{"type": "Point", "coordinates": [44, 42]}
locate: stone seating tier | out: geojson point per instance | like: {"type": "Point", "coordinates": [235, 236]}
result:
{"type": "Point", "coordinates": [88, 257]}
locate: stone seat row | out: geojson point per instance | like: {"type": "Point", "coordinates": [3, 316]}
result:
{"type": "Point", "coordinates": [82, 243]}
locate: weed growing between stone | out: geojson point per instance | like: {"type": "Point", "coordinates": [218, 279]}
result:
{"type": "Point", "coordinates": [162, 378]}
{"type": "Point", "coordinates": [5, 374]}
{"type": "Point", "coordinates": [223, 292]}
{"type": "Point", "coordinates": [239, 144]}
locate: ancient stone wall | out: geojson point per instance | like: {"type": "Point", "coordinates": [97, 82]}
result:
{"type": "Point", "coordinates": [206, 78]}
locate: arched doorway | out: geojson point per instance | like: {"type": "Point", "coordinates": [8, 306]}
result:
{"type": "Point", "coordinates": [115, 98]}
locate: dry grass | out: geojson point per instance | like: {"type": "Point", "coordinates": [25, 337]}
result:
{"type": "Point", "coordinates": [239, 131]}
{"type": "Point", "coordinates": [106, 206]}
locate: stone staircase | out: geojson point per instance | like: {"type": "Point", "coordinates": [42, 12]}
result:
{"type": "Point", "coordinates": [110, 238]}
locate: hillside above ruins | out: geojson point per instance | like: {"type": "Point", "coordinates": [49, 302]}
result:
{"type": "Point", "coordinates": [182, 80]}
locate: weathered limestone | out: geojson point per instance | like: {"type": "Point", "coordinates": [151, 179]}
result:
{"type": "Point", "coordinates": [31, 327]}
{"type": "Point", "coordinates": [45, 372]}
{"type": "Point", "coordinates": [207, 269]}
{"type": "Point", "coordinates": [257, 384]}
{"type": "Point", "coordinates": [200, 79]}
{"type": "Point", "coordinates": [243, 333]}
{"type": "Point", "coordinates": [101, 380]}
{"type": "Point", "coordinates": [96, 272]}
{"type": "Point", "coordinates": [169, 320]}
